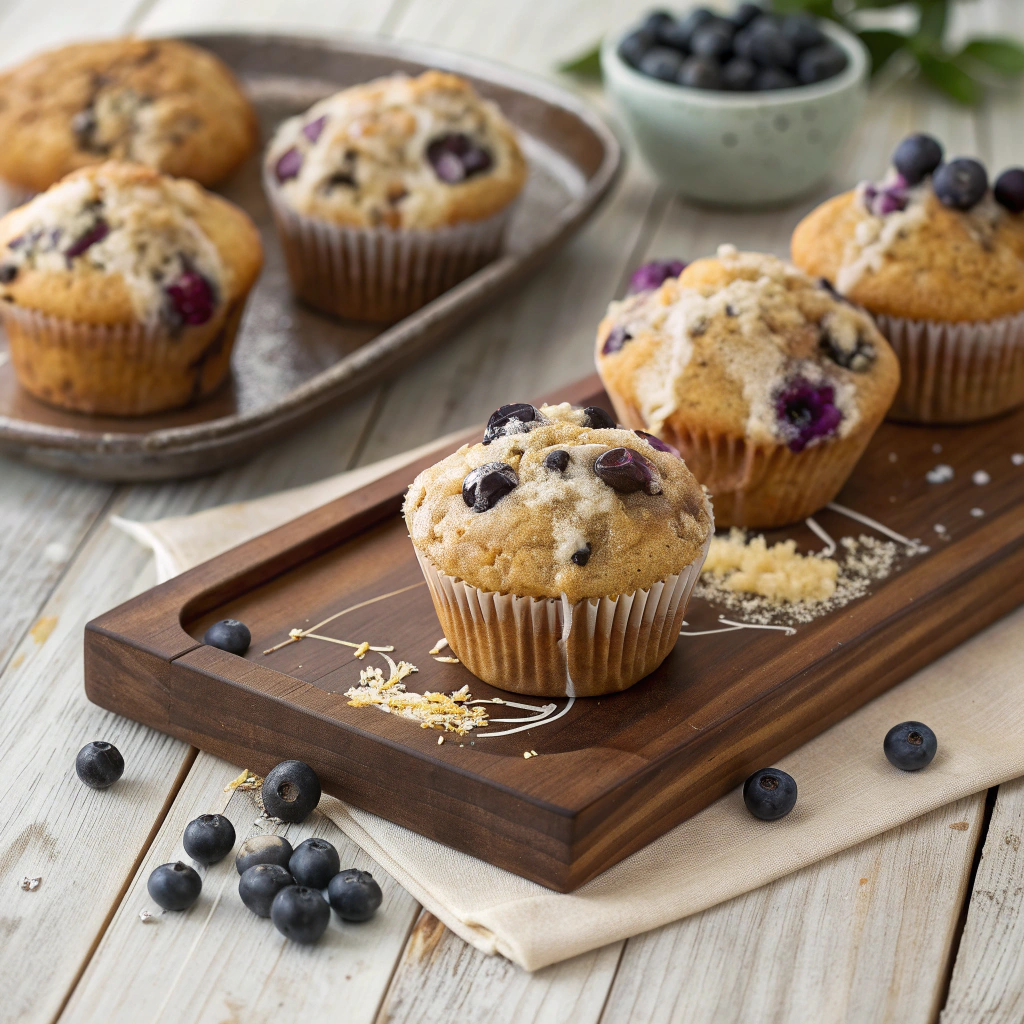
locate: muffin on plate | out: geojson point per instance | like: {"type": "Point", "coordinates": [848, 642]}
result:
{"type": "Point", "coordinates": [560, 551]}
{"type": "Point", "coordinates": [938, 258]}
{"type": "Point", "coordinates": [153, 101]}
{"type": "Point", "coordinates": [122, 289]}
{"type": "Point", "coordinates": [767, 382]}
{"type": "Point", "coordinates": [388, 194]}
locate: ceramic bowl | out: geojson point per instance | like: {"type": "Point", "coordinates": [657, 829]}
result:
{"type": "Point", "coordinates": [740, 149]}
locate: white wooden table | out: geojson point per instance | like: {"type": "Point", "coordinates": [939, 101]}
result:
{"type": "Point", "coordinates": [922, 920]}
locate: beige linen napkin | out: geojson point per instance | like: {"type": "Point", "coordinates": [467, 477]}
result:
{"type": "Point", "coordinates": [848, 791]}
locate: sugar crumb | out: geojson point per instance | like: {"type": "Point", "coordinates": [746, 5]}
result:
{"type": "Point", "coordinates": [981, 478]}
{"type": "Point", "coordinates": [977, 512]}
{"type": "Point", "coordinates": [940, 474]}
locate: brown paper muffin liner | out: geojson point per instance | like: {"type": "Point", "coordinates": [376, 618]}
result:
{"type": "Point", "coordinates": [547, 647]}
{"type": "Point", "coordinates": [379, 274]}
{"type": "Point", "coordinates": [117, 370]}
{"type": "Point", "coordinates": [956, 372]}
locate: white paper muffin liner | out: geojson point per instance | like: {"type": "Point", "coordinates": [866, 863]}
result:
{"type": "Point", "coordinates": [956, 372]}
{"type": "Point", "coordinates": [379, 274]}
{"type": "Point", "coordinates": [547, 647]}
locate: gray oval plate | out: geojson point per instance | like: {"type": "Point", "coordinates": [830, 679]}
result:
{"type": "Point", "coordinates": [289, 361]}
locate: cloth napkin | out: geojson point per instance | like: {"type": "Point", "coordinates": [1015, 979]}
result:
{"type": "Point", "coordinates": [848, 792]}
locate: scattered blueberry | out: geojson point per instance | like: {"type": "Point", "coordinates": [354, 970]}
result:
{"type": "Point", "coordinates": [260, 884]}
{"type": "Point", "coordinates": [582, 556]}
{"type": "Point", "coordinates": [95, 234]}
{"type": "Point", "coordinates": [192, 297]}
{"type": "Point", "coordinates": [910, 746]}
{"type": "Point", "coordinates": [354, 895]}
{"type": "Point", "coordinates": [486, 485]}
{"type": "Point", "coordinates": [288, 165]}
{"type": "Point", "coordinates": [1008, 190]}
{"type": "Point", "coordinates": [916, 157]}
{"type": "Point", "coordinates": [313, 130]}
{"type": "Point", "coordinates": [597, 419]}
{"type": "Point", "coordinates": [314, 863]}
{"type": "Point", "coordinates": [961, 183]}
{"type": "Point", "coordinates": [700, 73]}
{"type": "Point", "coordinates": [208, 838]}
{"type": "Point", "coordinates": [174, 886]}
{"type": "Point", "coordinates": [653, 274]}
{"type": "Point", "coordinates": [821, 63]}
{"type": "Point", "coordinates": [300, 913]}
{"type": "Point", "coordinates": [99, 764]}
{"type": "Point", "coordinates": [8, 272]}
{"type": "Point", "coordinates": [739, 74]}
{"type": "Point", "coordinates": [290, 791]}
{"type": "Point", "coordinates": [228, 635]}
{"type": "Point", "coordinates": [656, 442]}
{"type": "Point", "coordinates": [617, 337]}
{"type": "Point", "coordinates": [634, 46]}
{"type": "Point", "coordinates": [660, 62]}
{"type": "Point", "coordinates": [768, 79]}
{"type": "Point", "coordinates": [510, 419]}
{"type": "Point", "coordinates": [802, 31]}
{"type": "Point", "coordinates": [558, 460]}
{"type": "Point", "coordinates": [713, 40]}
{"type": "Point", "coordinates": [265, 849]}
{"type": "Point", "coordinates": [770, 794]}
{"type": "Point", "coordinates": [456, 157]}
{"type": "Point", "coordinates": [625, 471]}
{"type": "Point", "coordinates": [807, 411]}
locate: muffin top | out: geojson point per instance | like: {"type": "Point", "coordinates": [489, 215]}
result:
{"type": "Point", "coordinates": [745, 344]}
{"type": "Point", "coordinates": [158, 102]}
{"type": "Point", "coordinates": [556, 501]}
{"type": "Point", "coordinates": [398, 152]}
{"type": "Point", "coordinates": [122, 243]}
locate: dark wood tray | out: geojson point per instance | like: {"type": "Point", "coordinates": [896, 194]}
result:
{"type": "Point", "coordinates": [290, 361]}
{"type": "Point", "coordinates": [613, 773]}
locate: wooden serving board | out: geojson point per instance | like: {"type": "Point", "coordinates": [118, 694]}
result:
{"type": "Point", "coordinates": [613, 773]}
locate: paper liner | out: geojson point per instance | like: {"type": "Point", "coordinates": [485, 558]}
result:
{"type": "Point", "coordinates": [379, 274]}
{"type": "Point", "coordinates": [547, 647]}
{"type": "Point", "coordinates": [120, 369]}
{"type": "Point", "coordinates": [956, 372]}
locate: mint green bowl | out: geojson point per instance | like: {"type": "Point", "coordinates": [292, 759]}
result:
{"type": "Point", "coordinates": [740, 149]}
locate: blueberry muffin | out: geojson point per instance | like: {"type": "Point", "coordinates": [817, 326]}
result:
{"type": "Point", "coordinates": [389, 193]}
{"type": "Point", "coordinates": [767, 382]}
{"type": "Point", "coordinates": [561, 550]}
{"type": "Point", "coordinates": [158, 102]}
{"type": "Point", "coordinates": [122, 289]}
{"type": "Point", "coordinates": [938, 258]}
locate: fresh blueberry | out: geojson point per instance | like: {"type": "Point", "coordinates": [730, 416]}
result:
{"type": "Point", "coordinates": [354, 895]}
{"type": "Point", "coordinates": [290, 791]}
{"type": "Point", "coordinates": [8, 272]}
{"type": "Point", "coordinates": [683, 29]}
{"type": "Point", "coordinates": [208, 838]}
{"type": "Point", "coordinates": [300, 913]}
{"type": "Point", "coordinates": [314, 863]}
{"type": "Point", "coordinates": [265, 849]}
{"type": "Point", "coordinates": [582, 556]}
{"type": "Point", "coordinates": [634, 46]}
{"type": "Point", "coordinates": [192, 297]}
{"type": "Point", "coordinates": [656, 442]}
{"type": "Point", "coordinates": [910, 746]}
{"type": "Point", "coordinates": [858, 358]}
{"type": "Point", "coordinates": [769, 79]}
{"type": "Point", "coordinates": [739, 74]}
{"type": "Point", "coordinates": [260, 884]}
{"type": "Point", "coordinates": [625, 471]}
{"type": "Point", "coordinates": [713, 40]}
{"type": "Point", "coordinates": [770, 794]}
{"type": "Point", "coordinates": [288, 165]}
{"type": "Point", "coordinates": [456, 157]}
{"type": "Point", "coordinates": [653, 274]}
{"type": "Point", "coordinates": [676, 36]}
{"type": "Point", "coordinates": [558, 460]}
{"type": "Point", "coordinates": [806, 411]}
{"type": "Point", "coordinates": [961, 183]}
{"type": "Point", "coordinates": [656, 21]}
{"type": "Point", "coordinates": [745, 14]}
{"type": "Point", "coordinates": [99, 764]}
{"type": "Point", "coordinates": [617, 337]}
{"type": "Point", "coordinates": [916, 157]}
{"type": "Point", "coordinates": [1008, 190]}
{"type": "Point", "coordinates": [802, 31]}
{"type": "Point", "coordinates": [228, 635]}
{"type": "Point", "coordinates": [514, 418]}
{"type": "Point", "coordinates": [313, 130]}
{"type": "Point", "coordinates": [763, 42]}
{"type": "Point", "coordinates": [486, 485]}
{"type": "Point", "coordinates": [174, 886]}
{"type": "Point", "coordinates": [95, 234]}
{"type": "Point", "coordinates": [700, 73]}
{"type": "Point", "coordinates": [597, 419]}
{"type": "Point", "coordinates": [660, 62]}
{"type": "Point", "coordinates": [820, 63]}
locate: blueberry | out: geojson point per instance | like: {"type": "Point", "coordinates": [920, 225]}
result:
{"type": "Point", "coordinates": [288, 165]}
{"type": "Point", "coordinates": [770, 794]}
{"type": "Point", "coordinates": [916, 157]}
{"type": "Point", "coordinates": [99, 764]}
{"type": "Point", "coordinates": [290, 791]}
{"type": "Point", "coordinates": [456, 157]}
{"type": "Point", "coordinates": [266, 849]}
{"type": "Point", "coordinates": [889, 199]}
{"type": "Point", "coordinates": [660, 62]}
{"type": "Point", "coordinates": [314, 863]}
{"type": "Point", "coordinates": [626, 471]}
{"type": "Point", "coordinates": [515, 418]}
{"type": "Point", "coordinates": [228, 635]}
{"type": "Point", "coordinates": [910, 746]}
{"type": "Point", "coordinates": [745, 14]}
{"type": "Point", "coordinates": [676, 36]}
{"type": "Point", "coordinates": [806, 411]}
{"type": "Point", "coordinates": [557, 461]}
{"type": "Point", "coordinates": [95, 234]}
{"type": "Point", "coordinates": [739, 74]}
{"type": "Point", "coordinates": [486, 485]}
{"type": "Point", "coordinates": [354, 895]}
{"type": "Point", "coordinates": [656, 442]}
{"type": "Point", "coordinates": [634, 46]}
{"type": "Point", "coordinates": [653, 274]}
{"type": "Point", "coordinates": [300, 913]}
{"type": "Point", "coordinates": [192, 297]}
{"type": "Point", "coordinates": [260, 884]}
{"type": "Point", "coordinates": [774, 78]}
{"type": "Point", "coordinates": [961, 183]}
{"type": "Point", "coordinates": [713, 40]}
{"type": "Point", "coordinates": [582, 556]}
{"type": "Point", "coordinates": [313, 130]}
{"type": "Point", "coordinates": [820, 63]}
{"type": "Point", "coordinates": [858, 358]}
{"type": "Point", "coordinates": [8, 272]}
{"type": "Point", "coordinates": [1008, 190]}
{"type": "Point", "coordinates": [617, 337]}
{"type": "Point", "coordinates": [655, 21]}
{"type": "Point", "coordinates": [208, 838]}
{"type": "Point", "coordinates": [802, 31]}
{"type": "Point", "coordinates": [597, 419]}
{"type": "Point", "coordinates": [174, 886]}
{"type": "Point", "coordinates": [700, 73]}
{"type": "Point", "coordinates": [685, 27]}
{"type": "Point", "coordinates": [764, 43]}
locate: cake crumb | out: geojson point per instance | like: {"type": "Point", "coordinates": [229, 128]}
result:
{"type": "Point", "coordinates": [940, 474]}
{"type": "Point", "coordinates": [146, 917]}
{"type": "Point", "coordinates": [936, 448]}
{"type": "Point", "coordinates": [439, 646]}
{"type": "Point", "coordinates": [977, 512]}
{"type": "Point", "coordinates": [360, 651]}
{"type": "Point", "coordinates": [30, 884]}
{"type": "Point", "coordinates": [893, 457]}
{"type": "Point", "coordinates": [440, 739]}
{"type": "Point", "coordinates": [981, 478]}
{"type": "Point", "coordinates": [1017, 458]}
{"type": "Point", "coordinates": [447, 660]}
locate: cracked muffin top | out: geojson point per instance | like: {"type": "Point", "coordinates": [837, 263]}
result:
{"type": "Point", "coordinates": [559, 501]}
{"type": "Point", "coordinates": [161, 102]}
{"type": "Point", "coordinates": [398, 152]}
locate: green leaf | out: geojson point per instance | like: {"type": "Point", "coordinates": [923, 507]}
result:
{"type": "Point", "coordinates": [952, 79]}
{"type": "Point", "coordinates": [586, 64]}
{"type": "Point", "coordinates": [882, 44]}
{"type": "Point", "coordinates": [932, 23]}
{"type": "Point", "coordinates": [822, 8]}
{"type": "Point", "coordinates": [1003, 55]}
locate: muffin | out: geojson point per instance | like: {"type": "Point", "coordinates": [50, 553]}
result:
{"type": "Point", "coordinates": [158, 102]}
{"type": "Point", "coordinates": [560, 551]}
{"type": "Point", "coordinates": [767, 382]}
{"type": "Point", "coordinates": [122, 290]}
{"type": "Point", "coordinates": [938, 258]}
{"type": "Point", "coordinates": [390, 193]}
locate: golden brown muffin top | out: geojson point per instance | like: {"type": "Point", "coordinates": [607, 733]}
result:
{"type": "Point", "coordinates": [398, 152]}
{"type": "Point", "coordinates": [159, 102]}
{"type": "Point", "coordinates": [545, 510]}
{"type": "Point", "coordinates": [746, 345]}
{"type": "Point", "coordinates": [122, 243]}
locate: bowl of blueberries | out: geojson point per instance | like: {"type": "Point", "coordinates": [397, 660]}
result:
{"type": "Point", "coordinates": [739, 109]}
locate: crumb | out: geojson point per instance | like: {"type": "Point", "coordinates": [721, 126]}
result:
{"type": "Point", "coordinates": [981, 478]}
{"type": "Point", "coordinates": [940, 474]}
{"type": "Point", "coordinates": [977, 512]}
{"type": "Point", "coordinates": [146, 917]}
{"type": "Point", "coordinates": [440, 739]}
{"type": "Point", "coordinates": [960, 826]}
{"type": "Point", "coordinates": [527, 755]}
{"type": "Point", "coordinates": [360, 651]}
{"type": "Point", "coordinates": [446, 660]}
{"type": "Point", "coordinates": [439, 646]}
{"type": "Point", "coordinates": [1017, 458]}
{"type": "Point", "coordinates": [246, 781]}
{"type": "Point", "coordinates": [31, 884]}
{"type": "Point", "coordinates": [936, 448]}
{"type": "Point", "coordinates": [893, 457]}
